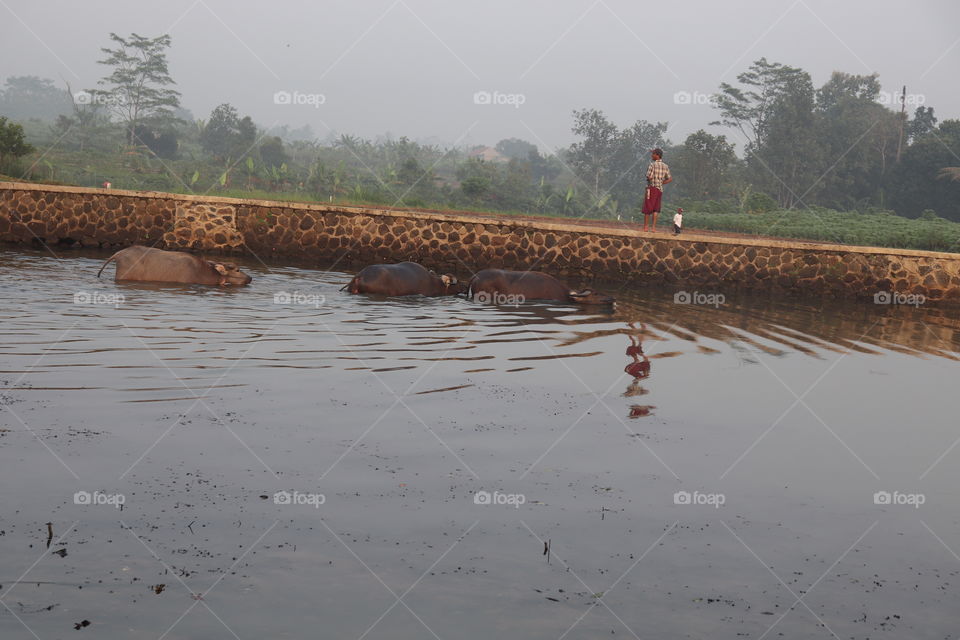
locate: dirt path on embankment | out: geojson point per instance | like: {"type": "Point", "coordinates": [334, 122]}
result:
{"type": "Point", "coordinates": [665, 228]}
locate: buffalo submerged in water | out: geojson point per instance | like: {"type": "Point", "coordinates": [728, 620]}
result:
{"type": "Point", "coordinates": [529, 285]}
{"type": "Point", "coordinates": [146, 264]}
{"type": "Point", "coordinates": [402, 279]}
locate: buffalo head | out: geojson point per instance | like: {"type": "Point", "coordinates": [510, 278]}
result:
{"type": "Point", "coordinates": [588, 296]}
{"type": "Point", "coordinates": [230, 274]}
{"type": "Point", "coordinates": [452, 285]}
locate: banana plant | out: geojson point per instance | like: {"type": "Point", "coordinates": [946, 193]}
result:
{"type": "Point", "coordinates": [607, 206]}
{"type": "Point", "coordinates": [545, 196]}
{"type": "Point", "coordinates": [339, 177]}
{"type": "Point", "coordinates": [251, 172]}
{"type": "Point", "coordinates": [569, 200]}
{"type": "Point", "coordinates": [744, 197]}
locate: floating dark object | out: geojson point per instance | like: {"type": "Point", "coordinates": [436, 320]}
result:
{"type": "Point", "coordinates": [81, 625]}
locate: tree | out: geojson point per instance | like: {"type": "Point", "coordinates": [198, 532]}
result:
{"type": "Point", "coordinates": [227, 135]}
{"type": "Point", "coordinates": [222, 131]}
{"type": "Point", "coordinates": [88, 125]}
{"type": "Point", "coordinates": [844, 87]}
{"type": "Point", "coordinates": [609, 160]}
{"type": "Point", "coordinates": [137, 88]}
{"type": "Point", "coordinates": [920, 181]}
{"type": "Point", "coordinates": [592, 158]}
{"type": "Point", "coordinates": [516, 148]}
{"type": "Point", "coordinates": [858, 137]}
{"type": "Point", "coordinates": [922, 123]}
{"type": "Point", "coordinates": [477, 179]}
{"type": "Point", "coordinates": [750, 108]}
{"type": "Point", "coordinates": [704, 161]}
{"type": "Point", "coordinates": [272, 153]}
{"type": "Point", "coordinates": [162, 143]}
{"type": "Point", "coordinates": [628, 177]}
{"type": "Point", "coordinates": [12, 143]}
{"type": "Point", "coordinates": [25, 97]}
{"type": "Point", "coordinates": [791, 161]}
{"type": "Point", "coordinates": [774, 111]}
{"type": "Point", "coordinates": [515, 190]}
{"type": "Point", "coordinates": [246, 134]}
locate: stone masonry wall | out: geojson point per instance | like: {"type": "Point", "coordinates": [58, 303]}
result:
{"type": "Point", "coordinates": [461, 243]}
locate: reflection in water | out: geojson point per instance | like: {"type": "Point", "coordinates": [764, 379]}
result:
{"type": "Point", "coordinates": [639, 369]}
{"type": "Point", "coordinates": [776, 327]}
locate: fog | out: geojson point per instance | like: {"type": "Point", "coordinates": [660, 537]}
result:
{"type": "Point", "coordinates": [414, 67]}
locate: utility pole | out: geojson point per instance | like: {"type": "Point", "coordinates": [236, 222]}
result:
{"type": "Point", "coordinates": [903, 119]}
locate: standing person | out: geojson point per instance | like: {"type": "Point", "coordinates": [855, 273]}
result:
{"type": "Point", "coordinates": [658, 174]}
{"type": "Point", "coordinates": [678, 221]}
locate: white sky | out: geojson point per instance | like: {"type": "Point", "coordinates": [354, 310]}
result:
{"type": "Point", "coordinates": [412, 67]}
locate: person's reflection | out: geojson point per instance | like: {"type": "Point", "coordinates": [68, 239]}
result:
{"type": "Point", "coordinates": [639, 369]}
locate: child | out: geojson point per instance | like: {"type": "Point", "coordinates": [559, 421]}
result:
{"type": "Point", "coordinates": [677, 222]}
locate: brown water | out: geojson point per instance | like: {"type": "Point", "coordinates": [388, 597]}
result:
{"type": "Point", "coordinates": [197, 405]}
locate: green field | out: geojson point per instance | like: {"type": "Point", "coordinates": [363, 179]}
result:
{"type": "Point", "coordinates": [875, 228]}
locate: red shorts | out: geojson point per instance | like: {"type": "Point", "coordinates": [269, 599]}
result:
{"type": "Point", "coordinates": [651, 201]}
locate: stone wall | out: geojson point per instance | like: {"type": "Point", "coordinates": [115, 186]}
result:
{"type": "Point", "coordinates": [462, 243]}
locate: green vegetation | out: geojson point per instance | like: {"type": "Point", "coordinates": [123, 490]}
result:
{"type": "Point", "coordinates": [12, 143]}
{"type": "Point", "coordinates": [874, 228]}
{"type": "Point", "coordinates": [824, 163]}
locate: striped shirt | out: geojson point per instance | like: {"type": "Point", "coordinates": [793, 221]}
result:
{"type": "Point", "coordinates": [657, 172]}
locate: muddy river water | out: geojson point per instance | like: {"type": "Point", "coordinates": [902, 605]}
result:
{"type": "Point", "coordinates": [289, 461]}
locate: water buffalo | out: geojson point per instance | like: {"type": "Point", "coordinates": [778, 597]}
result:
{"type": "Point", "coordinates": [146, 264]}
{"type": "Point", "coordinates": [403, 279]}
{"type": "Point", "coordinates": [493, 284]}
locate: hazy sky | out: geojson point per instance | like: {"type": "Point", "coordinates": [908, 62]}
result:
{"type": "Point", "coordinates": [413, 67]}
